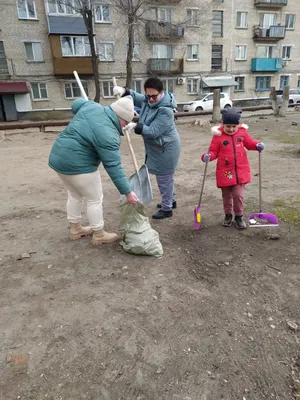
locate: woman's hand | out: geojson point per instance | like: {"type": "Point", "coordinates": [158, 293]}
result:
{"type": "Point", "coordinates": [132, 198]}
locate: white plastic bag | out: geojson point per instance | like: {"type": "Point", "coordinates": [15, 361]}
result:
{"type": "Point", "coordinates": [139, 237]}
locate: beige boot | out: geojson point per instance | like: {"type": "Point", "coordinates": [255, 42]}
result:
{"type": "Point", "coordinates": [102, 237]}
{"type": "Point", "coordinates": [77, 231]}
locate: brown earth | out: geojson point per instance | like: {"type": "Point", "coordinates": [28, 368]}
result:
{"type": "Point", "coordinates": [213, 319]}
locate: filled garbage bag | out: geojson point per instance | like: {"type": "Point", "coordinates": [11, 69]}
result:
{"type": "Point", "coordinates": [138, 236]}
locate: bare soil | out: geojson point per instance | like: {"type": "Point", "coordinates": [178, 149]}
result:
{"type": "Point", "coordinates": [217, 317]}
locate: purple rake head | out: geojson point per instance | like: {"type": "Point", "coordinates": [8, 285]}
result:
{"type": "Point", "coordinates": [197, 217]}
{"type": "Point", "coordinates": [268, 219]}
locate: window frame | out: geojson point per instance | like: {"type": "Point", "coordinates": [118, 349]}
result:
{"type": "Point", "coordinates": [218, 23]}
{"type": "Point", "coordinates": [134, 84]}
{"type": "Point", "coordinates": [190, 83]}
{"type": "Point", "coordinates": [220, 67]}
{"type": "Point", "coordinates": [167, 9]}
{"type": "Point", "coordinates": [166, 81]}
{"type": "Point", "coordinates": [101, 5]}
{"type": "Point", "coordinates": [101, 42]}
{"type": "Point", "coordinates": [71, 83]}
{"type": "Point", "coordinates": [265, 88]}
{"type": "Point", "coordinates": [246, 20]}
{"type": "Point", "coordinates": [193, 11]}
{"type": "Point", "coordinates": [245, 52]}
{"type": "Point", "coordinates": [284, 77]}
{"type": "Point", "coordinates": [39, 90]}
{"type": "Point", "coordinates": [191, 45]}
{"type": "Point", "coordinates": [237, 88]}
{"type": "Point", "coordinates": [110, 89]}
{"type": "Point", "coordinates": [74, 48]}
{"type": "Point", "coordinates": [33, 42]}
{"type": "Point", "coordinates": [26, 9]}
{"type": "Point", "coordinates": [284, 50]}
{"type": "Point", "coordinates": [287, 21]}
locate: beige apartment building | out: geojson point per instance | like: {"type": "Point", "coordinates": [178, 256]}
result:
{"type": "Point", "coordinates": [242, 47]}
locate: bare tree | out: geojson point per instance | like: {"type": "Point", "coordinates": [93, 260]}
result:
{"type": "Point", "coordinates": [285, 101]}
{"type": "Point", "coordinates": [274, 101]}
{"type": "Point", "coordinates": [87, 9]}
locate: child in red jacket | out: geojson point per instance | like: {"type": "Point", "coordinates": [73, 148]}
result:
{"type": "Point", "coordinates": [229, 146]}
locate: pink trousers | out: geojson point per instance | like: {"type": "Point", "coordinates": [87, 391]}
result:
{"type": "Point", "coordinates": [233, 199]}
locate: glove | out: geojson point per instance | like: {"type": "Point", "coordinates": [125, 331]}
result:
{"type": "Point", "coordinates": [206, 158]}
{"type": "Point", "coordinates": [260, 146]}
{"type": "Point", "coordinates": [118, 91]}
{"type": "Point", "coordinates": [130, 127]}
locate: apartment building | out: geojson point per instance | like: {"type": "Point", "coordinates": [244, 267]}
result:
{"type": "Point", "coordinates": [242, 47]}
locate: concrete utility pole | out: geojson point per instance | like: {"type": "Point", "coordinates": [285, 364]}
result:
{"type": "Point", "coordinates": [285, 101]}
{"type": "Point", "coordinates": [216, 116]}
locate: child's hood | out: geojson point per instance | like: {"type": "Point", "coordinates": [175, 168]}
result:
{"type": "Point", "coordinates": [218, 130]}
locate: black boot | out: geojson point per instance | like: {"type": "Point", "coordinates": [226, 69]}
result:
{"type": "Point", "coordinates": [174, 204]}
{"type": "Point", "coordinates": [162, 214]}
{"type": "Point", "coordinates": [239, 222]}
{"type": "Point", "coordinates": [227, 220]}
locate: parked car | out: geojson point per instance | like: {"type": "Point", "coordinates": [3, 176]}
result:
{"type": "Point", "coordinates": [294, 97]}
{"type": "Point", "coordinates": [205, 102]}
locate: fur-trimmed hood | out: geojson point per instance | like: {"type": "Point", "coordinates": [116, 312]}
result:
{"type": "Point", "coordinates": [216, 130]}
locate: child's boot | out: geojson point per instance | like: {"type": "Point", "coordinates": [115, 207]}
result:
{"type": "Point", "coordinates": [102, 237]}
{"type": "Point", "coordinates": [227, 220]}
{"type": "Point", "coordinates": [240, 223]}
{"type": "Point", "coordinates": [77, 231]}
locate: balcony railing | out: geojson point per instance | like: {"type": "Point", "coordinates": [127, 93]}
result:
{"type": "Point", "coordinates": [163, 30]}
{"type": "Point", "coordinates": [273, 33]}
{"type": "Point", "coordinates": [271, 3]}
{"type": "Point", "coordinates": [266, 64]}
{"type": "Point", "coordinates": [164, 66]}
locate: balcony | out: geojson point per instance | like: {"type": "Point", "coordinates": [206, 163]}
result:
{"type": "Point", "coordinates": [64, 66]}
{"type": "Point", "coordinates": [163, 30]}
{"type": "Point", "coordinates": [271, 34]}
{"type": "Point", "coordinates": [270, 3]}
{"type": "Point", "coordinates": [164, 66]}
{"type": "Point", "coordinates": [166, 2]}
{"type": "Point", "coordinates": [266, 64]}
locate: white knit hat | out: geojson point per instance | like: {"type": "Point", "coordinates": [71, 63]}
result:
{"type": "Point", "coordinates": [124, 108]}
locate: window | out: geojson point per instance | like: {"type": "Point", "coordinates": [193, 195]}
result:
{"type": "Point", "coordinates": [216, 57]}
{"type": "Point", "coordinates": [286, 52]}
{"type": "Point", "coordinates": [290, 21]}
{"type": "Point", "coordinates": [136, 52]}
{"type": "Point", "coordinates": [39, 91]}
{"type": "Point", "coordinates": [3, 62]}
{"type": "Point", "coordinates": [241, 81]}
{"type": "Point", "coordinates": [72, 89]}
{"type": "Point", "coordinates": [192, 17]}
{"type": "Point", "coordinates": [241, 19]}
{"type": "Point", "coordinates": [107, 89]}
{"type": "Point", "coordinates": [267, 20]}
{"type": "Point", "coordinates": [263, 83]}
{"type": "Point", "coordinates": [192, 85]}
{"type": "Point", "coordinates": [106, 51]}
{"type": "Point", "coordinates": [241, 52]}
{"type": "Point", "coordinates": [137, 85]}
{"type": "Point", "coordinates": [33, 51]}
{"type": "Point", "coordinates": [61, 7]}
{"type": "Point", "coordinates": [102, 13]}
{"type": "Point", "coordinates": [75, 46]}
{"type": "Point", "coordinates": [217, 23]}
{"type": "Point", "coordinates": [26, 9]}
{"type": "Point", "coordinates": [284, 81]}
{"type": "Point", "coordinates": [162, 14]}
{"type": "Point", "coordinates": [162, 51]}
{"type": "Point", "coordinates": [169, 85]}
{"type": "Point", "coordinates": [192, 52]}
{"type": "Point", "coordinates": [265, 52]}
{"type": "Point", "coordinates": [298, 84]}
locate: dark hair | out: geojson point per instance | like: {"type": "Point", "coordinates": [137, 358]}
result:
{"type": "Point", "coordinates": [154, 83]}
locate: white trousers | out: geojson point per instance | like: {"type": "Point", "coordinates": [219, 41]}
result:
{"type": "Point", "coordinates": [86, 187]}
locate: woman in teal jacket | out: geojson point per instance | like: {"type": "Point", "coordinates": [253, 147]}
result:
{"type": "Point", "coordinates": [92, 137]}
{"type": "Point", "coordinates": [161, 139]}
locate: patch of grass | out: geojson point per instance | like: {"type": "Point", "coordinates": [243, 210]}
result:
{"type": "Point", "coordinates": [285, 212]}
{"type": "Point", "coordinates": [278, 203]}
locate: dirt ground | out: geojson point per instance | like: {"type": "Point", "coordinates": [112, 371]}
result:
{"type": "Point", "coordinates": [217, 317]}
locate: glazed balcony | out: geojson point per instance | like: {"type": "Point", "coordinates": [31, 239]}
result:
{"type": "Point", "coordinates": [270, 3]}
{"type": "Point", "coordinates": [271, 34]}
{"type": "Point", "coordinates": [164, 66]}
{"type": "Point", "coordinates": [266, 64]}
{"type": "Point", "coordinates": [163, 30]}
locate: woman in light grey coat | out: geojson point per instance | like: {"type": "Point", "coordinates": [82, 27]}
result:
{"type": "Point", "coordinates": [162, 143]}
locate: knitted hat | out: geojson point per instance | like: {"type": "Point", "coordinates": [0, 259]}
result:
{"type": "Point", "coordinates": [231, 118]}
{"type": "Point", "coordinates": [124, 108]}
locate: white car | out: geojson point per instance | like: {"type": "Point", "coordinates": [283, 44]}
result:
{"type": "Point", "coordinates": [294, 96]}
{"type": "Point", "coordinates": [206, 103]}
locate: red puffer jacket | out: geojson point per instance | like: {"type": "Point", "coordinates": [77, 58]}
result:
{"type": "Point", "coordinates": [233, 167]}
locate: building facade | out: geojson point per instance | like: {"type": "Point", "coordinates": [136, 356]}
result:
{"type": "Point", "coordinates": [242, 47]}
